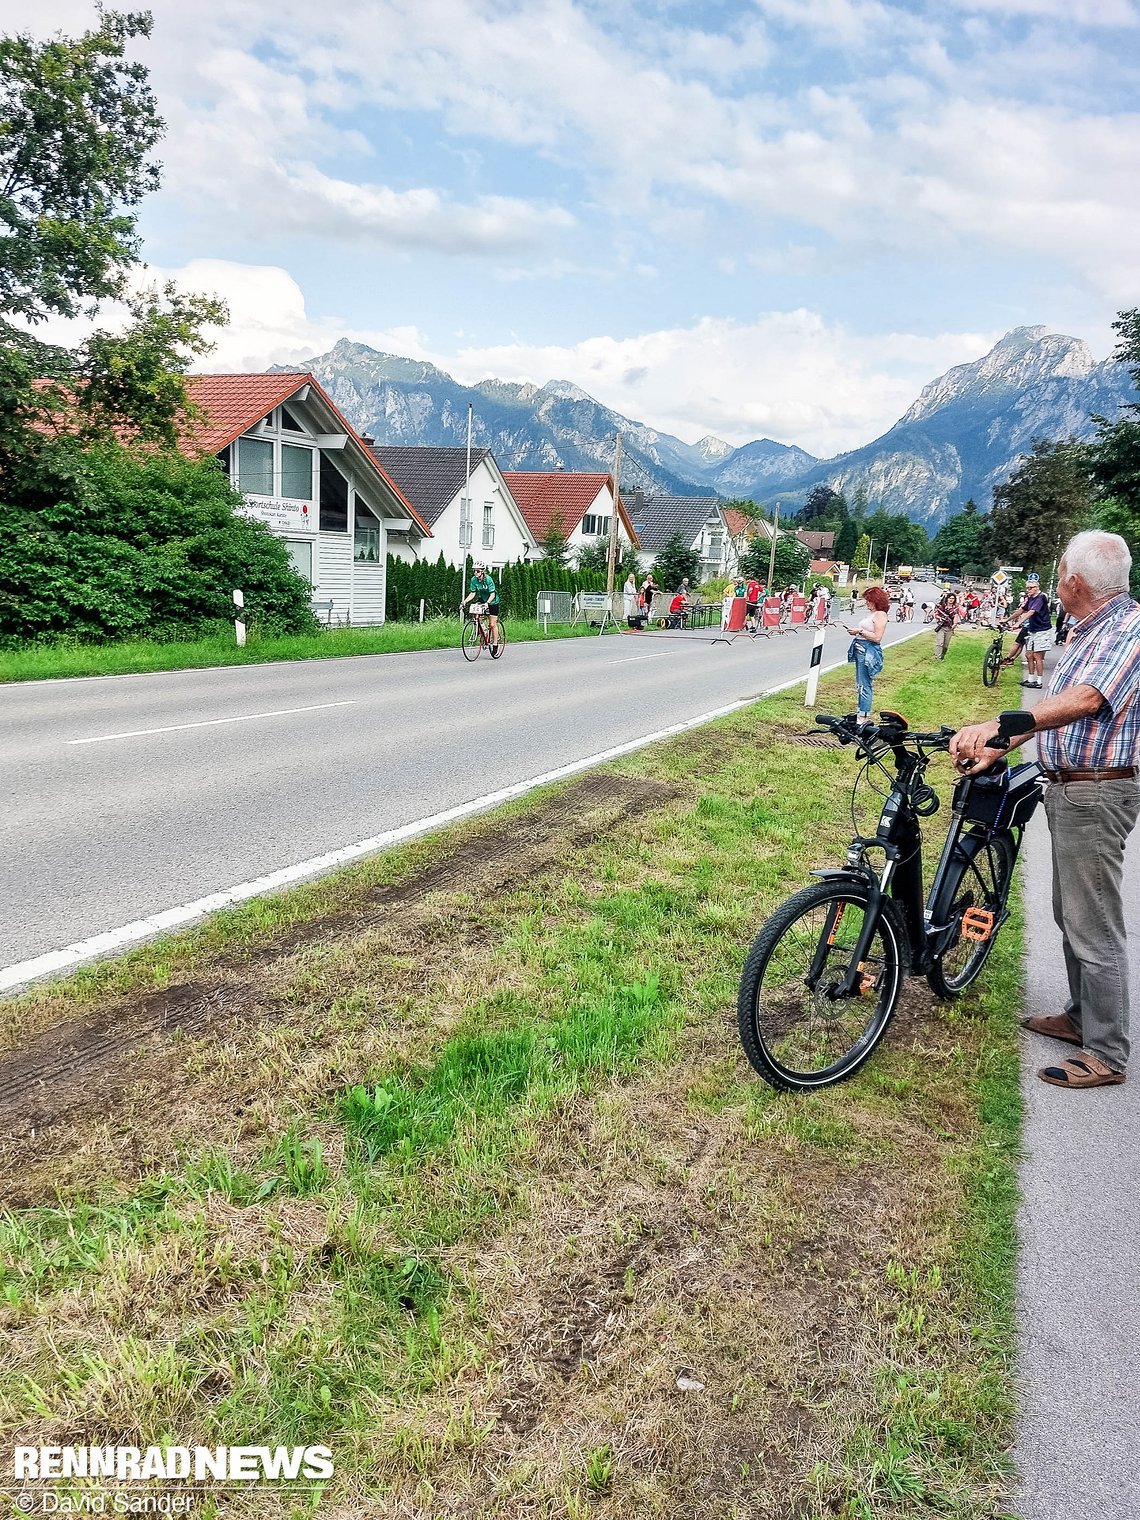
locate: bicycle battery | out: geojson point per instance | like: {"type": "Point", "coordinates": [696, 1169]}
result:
{"type": "Point", "coordinates": [1003, 800]}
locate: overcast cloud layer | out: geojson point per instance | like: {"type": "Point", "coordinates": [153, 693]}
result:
{"type": "Point", "coordinates": [771, 219]}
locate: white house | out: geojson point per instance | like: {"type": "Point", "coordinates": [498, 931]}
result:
{"type": "Point", "coordinates": [309, 477]}
{"type": "Point", "coordinates": [479, 518]}
{"type": "Point", "coordinates": [579, 503]}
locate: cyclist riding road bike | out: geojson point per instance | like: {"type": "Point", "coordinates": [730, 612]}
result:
{"type": "Point", "coordinates": [483, 592]}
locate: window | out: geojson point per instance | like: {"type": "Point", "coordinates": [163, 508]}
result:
{"type": "Point", "coordinates": [301, 553]}
{"type": "Point", "coordinates": [334, 498]}
{"type": "Point", "coordinates": [366, 540]}
{"type": "Point", "coordinates": [716, 547]}
{"type": "Point", "coordinates": [289, 422]}
{"type": "Point", "coordinates": [255, 467]}
{"type": "Point", "coordinates": [488, 524]}
{"type": "Point", "coordinates": [296, 472]}
{"type": "Point", "coordinates": [465, 525]}
{"type": "Point", "coordinates": [594, 526]}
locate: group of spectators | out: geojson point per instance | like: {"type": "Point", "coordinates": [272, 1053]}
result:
{"type": "Point", "coordinates": [1033, 619]}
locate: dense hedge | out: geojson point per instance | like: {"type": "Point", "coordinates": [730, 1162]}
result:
{"type": "Point", "coordinates": [141, 546]}
{"type": "Point", "coordinates": [440, 585]}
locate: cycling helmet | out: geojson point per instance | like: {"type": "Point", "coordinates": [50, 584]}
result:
{"type": "Point", "coordinates": [479, 566]}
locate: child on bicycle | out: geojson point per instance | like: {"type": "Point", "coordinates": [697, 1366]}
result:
{"type": "Point", "coordinates": [486, 598]}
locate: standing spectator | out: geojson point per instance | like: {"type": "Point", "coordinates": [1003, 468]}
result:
{"type": "Point", "coordinates": [1033, 615]}
{"type": "Point", "coordinates": [945, 617]}
{"type": "Point", "coordinates": [629, 596]}
{"type": "Point", "coordinates": [751, 602]}
{"type": "Point", "coordinates": [907, 600]}
{"type": "Point", "coordinates": [648, 587]}
{"type": "Point", "coordinates": [867, 647]}
{"type": "Point", "coordinates": [1090, 733]}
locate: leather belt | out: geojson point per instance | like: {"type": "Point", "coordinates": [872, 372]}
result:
{"type": "Point", "coordinates": [1111, 773]}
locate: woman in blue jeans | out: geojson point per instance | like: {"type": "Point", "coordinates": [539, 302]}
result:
{"type": "Point", "coordinates": [867, 646]}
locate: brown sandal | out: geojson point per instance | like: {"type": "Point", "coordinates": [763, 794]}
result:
{"type": "Point", "coordinates": [1081, 1071]}
{"type": "Point", "coordinates": [1058, 1026]}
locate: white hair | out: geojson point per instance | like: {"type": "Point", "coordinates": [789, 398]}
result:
{"type": "Point", "coordinates": [1102, 560]}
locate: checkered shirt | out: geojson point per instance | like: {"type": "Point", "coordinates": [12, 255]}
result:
{"type": "Point", "coordinates": [1105, 653]}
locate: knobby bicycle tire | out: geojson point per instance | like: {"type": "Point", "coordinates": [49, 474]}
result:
{"type": "Point", "coordinates": [978, 878]}
{"type": "Point", "coordinates": [991, 666]}
{"type": "Point", "coordinates": [798, 1038]}
{"type": "Point", "coordinates": [471, 642]}
{"type": "Point", "coordinates": [495, 650]}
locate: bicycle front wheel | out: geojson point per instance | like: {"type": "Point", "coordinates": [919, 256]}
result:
{"type": "Point", "coordinates": [497, 649]}
{"type": "Point", "coordinates": [797, 1030]}
{"type": "Point", "coordinates": [991, 665]}
{"type": "Point", "coordinates": [471, 642]}
{"type": "Point", "coordinates": [978, 881]}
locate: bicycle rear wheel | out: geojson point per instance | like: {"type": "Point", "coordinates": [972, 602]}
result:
{"type": "Point", "coordinates": [797, 1033]}
{"type": "Point", "coordinates": [978, 880]}
{"type": "Point", "coordinates": [471, 642]}
{"type": "Point", "coordinates": [497, 649]}
{"type": "Point", "coordinates": [991, 665]}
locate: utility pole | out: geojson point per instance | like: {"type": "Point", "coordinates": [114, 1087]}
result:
{"type": "Point", "coordinates": [611, 559]}
{"type": "Point", "coordinates": [870, 546]}
{"type": "Point", "coordinates": [466, 497]}
{"type": "Point", "coordinates": [886, 557]}
{"type": "Point", "coordinates": [772, 551]}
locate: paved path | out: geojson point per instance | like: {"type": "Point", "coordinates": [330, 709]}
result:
{"type": "Point", "coordinates": [128, 797]}
{"type": "Point", "coordinates": [1078, 1440]}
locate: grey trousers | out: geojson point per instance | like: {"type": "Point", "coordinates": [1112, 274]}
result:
{"type": "Point", "coordinates": [1090, 822]}
{"type": "Point", "coordinates": [942, 638]}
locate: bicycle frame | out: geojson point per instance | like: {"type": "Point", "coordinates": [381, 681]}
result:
{"type": "Point", "coordinates": [899, 836]}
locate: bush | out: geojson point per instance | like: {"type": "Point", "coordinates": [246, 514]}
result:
{"type": "Point", "coordinates": [519, 584]}
{"type": "Point", "coordinates": [142, 545]}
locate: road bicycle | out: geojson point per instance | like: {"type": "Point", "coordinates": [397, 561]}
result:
{"type": "Point", "coordinates": [477, 633]}
{"type": "Point", "coordinates": [824, 975]}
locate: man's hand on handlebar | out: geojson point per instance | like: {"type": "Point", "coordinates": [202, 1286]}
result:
{"type": "Point", "coordinates": [969, 747]}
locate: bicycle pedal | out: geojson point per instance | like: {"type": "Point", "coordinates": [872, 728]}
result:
{"type": "Point", "coordinates": [977, 924]}
{"type": "Point", "coordinates": [867, 981]}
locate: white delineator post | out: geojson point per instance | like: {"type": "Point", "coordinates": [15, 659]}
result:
{"type": "Point", "coordinates": [239, 625]}
{"type": "Point", "coordinates": [816, 662]}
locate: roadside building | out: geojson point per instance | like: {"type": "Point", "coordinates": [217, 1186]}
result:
{"type": "Point", "coordinates": [304, 472]}
{"type": "Point", "coordinates": [579, 503]}
{"type": "Point", "coordinates": [479, 517]}
{"type": "Point", "coordinates": [699, 520]}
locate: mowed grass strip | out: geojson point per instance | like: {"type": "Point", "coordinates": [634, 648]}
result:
{"type": "Point", "coordinates": [69, 658]}
{"type": "Point", "coordinates": [500, 1213]}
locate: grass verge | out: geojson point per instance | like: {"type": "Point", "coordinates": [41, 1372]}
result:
{"type": "Point", "coordinates": [37, 662]}
{"type": "Point", "coordinates": [459, 1170]}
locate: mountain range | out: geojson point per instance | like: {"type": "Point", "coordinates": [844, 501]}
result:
{"type": "Point", "coordinates": [962, 436]}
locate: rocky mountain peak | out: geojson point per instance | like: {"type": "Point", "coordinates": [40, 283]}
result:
{"type": "Point", "coordinates": [1025, 357]}
{"type": "Point", "coordinates": [712, 449]}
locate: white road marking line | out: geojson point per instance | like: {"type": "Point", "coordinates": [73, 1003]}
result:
{"type": "Point", "coordinates": [71, 956]}
{"type": "Point", "coordinates": [634, 658]}
{"type": "Point", "coordinates": [173, 728]}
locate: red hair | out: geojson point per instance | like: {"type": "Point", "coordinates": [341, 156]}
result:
{"type": "Point", "coordinates": [877, 598]}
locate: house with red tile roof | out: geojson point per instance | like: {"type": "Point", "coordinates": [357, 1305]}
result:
{"type": "Point", "coordinates": [578, 502]}
{"type": "Point", "coordinates": [305, 472]}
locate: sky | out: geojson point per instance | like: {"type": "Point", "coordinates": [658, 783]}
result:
{"type": "Point", "coordinates": [769, 219]}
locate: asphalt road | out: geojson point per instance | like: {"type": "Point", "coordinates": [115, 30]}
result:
{"type": "Point", "coordinates": [130, 795]}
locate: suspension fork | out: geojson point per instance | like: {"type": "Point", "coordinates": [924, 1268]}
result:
{"type": "Point", "coordinates": [853, 976]}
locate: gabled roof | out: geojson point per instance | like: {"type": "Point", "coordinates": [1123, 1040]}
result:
{"type": "Point", "coordinates": [818, 543]}
{"type": "Point", "coordinates": [562, 496]}
{"type": "Point", "coordinates": [231, 404]}
{"type": "Point", "coordinates": [740, 525]}
{"type": "Point", "coordinates": [658, 518]}
{"type": "Point", "coordinates": [430, 478]}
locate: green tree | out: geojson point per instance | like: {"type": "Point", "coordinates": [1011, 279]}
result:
{"type": "Point", "coordinates": [791, 562]}
{"type": "Point", "coordinates": [553, 543]}
{"type": "Point", "coordinates": [77, 123]}
{"type": "Point", "coordinates": [143, 545]}
{"type": "Point", "coordinates": [962, 543]}
{"type": "Point", "coordinates": [1048, 498]}
{"type": "Point", "coordinates": [595, 557]}
{"type": "Point", "coordinates": [1114, 456]}
{"type": "Point", "coordinates": [846, 542]}
{"type": "Point", "coordinates": [675, 562]}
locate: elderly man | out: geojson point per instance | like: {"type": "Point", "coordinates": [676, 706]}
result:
{"type": "Point", "coordinates": [1090, 730]}
{"type": "Point", "coordinates": [1034, 616]}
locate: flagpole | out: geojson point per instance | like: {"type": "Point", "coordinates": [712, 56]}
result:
{"type": "Point", "coordinates": [470, 518]}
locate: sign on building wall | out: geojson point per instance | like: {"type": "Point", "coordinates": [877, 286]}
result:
{"type": "Point", "coordinates": [282, 516]}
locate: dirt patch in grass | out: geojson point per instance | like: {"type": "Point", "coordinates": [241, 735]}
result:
{"type": "Point", "coordinates": [88, 1089]}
